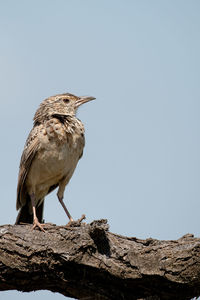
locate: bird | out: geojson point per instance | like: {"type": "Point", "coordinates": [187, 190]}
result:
{"type": "Point", "coordinates": [51, 152]}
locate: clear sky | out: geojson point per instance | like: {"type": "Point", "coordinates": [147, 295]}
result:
{"type": "Point", "coordinates": [141, 60]}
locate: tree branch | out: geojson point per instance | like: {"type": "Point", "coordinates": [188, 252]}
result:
{"type": "Point", "coordinates": [88, 262]}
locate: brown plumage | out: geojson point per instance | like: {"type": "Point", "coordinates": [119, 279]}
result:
{"type": "Point", "coordinates": [51, 153]}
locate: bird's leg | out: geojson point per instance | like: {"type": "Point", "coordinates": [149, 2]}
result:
{"type": "Point", "coordinates": [60, 198]}
{"type": "Point", "coordinates": [36, 223]}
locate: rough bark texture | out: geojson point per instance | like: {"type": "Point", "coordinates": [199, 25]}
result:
{"type": "Point", "coordinates": [88, 262]}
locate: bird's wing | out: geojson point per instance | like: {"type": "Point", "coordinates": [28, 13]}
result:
{"type": "Point", "coordinates": [30, 150]}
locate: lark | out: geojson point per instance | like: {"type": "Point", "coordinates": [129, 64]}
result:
{"type": "Point", "coordinates": [51, 153]}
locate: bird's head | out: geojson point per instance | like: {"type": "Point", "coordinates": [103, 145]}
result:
{"type": "Point", "coordinates": [62, 104]}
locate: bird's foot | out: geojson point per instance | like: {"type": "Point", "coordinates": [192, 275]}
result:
{"type": "Point", "coordinates": [77, 222]}
{"type": "Point", "coordinates": [83, 217]}
{"type": "Point", "coordinates": [36, 223]}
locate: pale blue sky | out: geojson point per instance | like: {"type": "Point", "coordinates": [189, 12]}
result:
{"type": "Point", "coordinates": [140, 59]}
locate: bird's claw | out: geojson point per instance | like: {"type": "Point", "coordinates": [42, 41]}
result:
{"type": "Point", "coordinates": [83, 217]}
{"type": "Point", "coordinates": [78, 222]}
{"type": "Point", "coordinates": [36, 223]}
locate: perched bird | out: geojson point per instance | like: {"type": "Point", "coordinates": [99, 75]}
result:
{"type": "Point", "coordinates": [51, 153]}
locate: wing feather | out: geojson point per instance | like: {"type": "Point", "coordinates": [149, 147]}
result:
{"type": "Point", "coordinates": [30, 150]}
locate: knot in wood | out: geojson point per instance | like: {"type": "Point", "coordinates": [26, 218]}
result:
{"type": "Point", "coordinates": [98, 228]}
{"type": "Point", "coordinates": [97, 231]}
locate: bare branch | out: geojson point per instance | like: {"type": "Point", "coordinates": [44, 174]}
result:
{"type": "Point", "coordinates": [88, 262]}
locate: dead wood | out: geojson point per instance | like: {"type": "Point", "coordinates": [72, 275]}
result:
{"type": "Point", "coordinates": [88, 262]}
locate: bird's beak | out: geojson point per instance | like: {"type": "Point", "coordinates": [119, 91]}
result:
{"type": "Point", "coordinates": [84, 99]}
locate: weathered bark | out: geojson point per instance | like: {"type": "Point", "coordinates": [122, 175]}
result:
{"type": "Point", "coordinates": [88, 262]}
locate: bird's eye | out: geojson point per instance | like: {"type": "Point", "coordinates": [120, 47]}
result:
{"type": "Point", "coordinates": [66, 100]}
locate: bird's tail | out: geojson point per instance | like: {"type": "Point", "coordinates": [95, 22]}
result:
{"type": "Point", "coordinates": [24, 215]}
